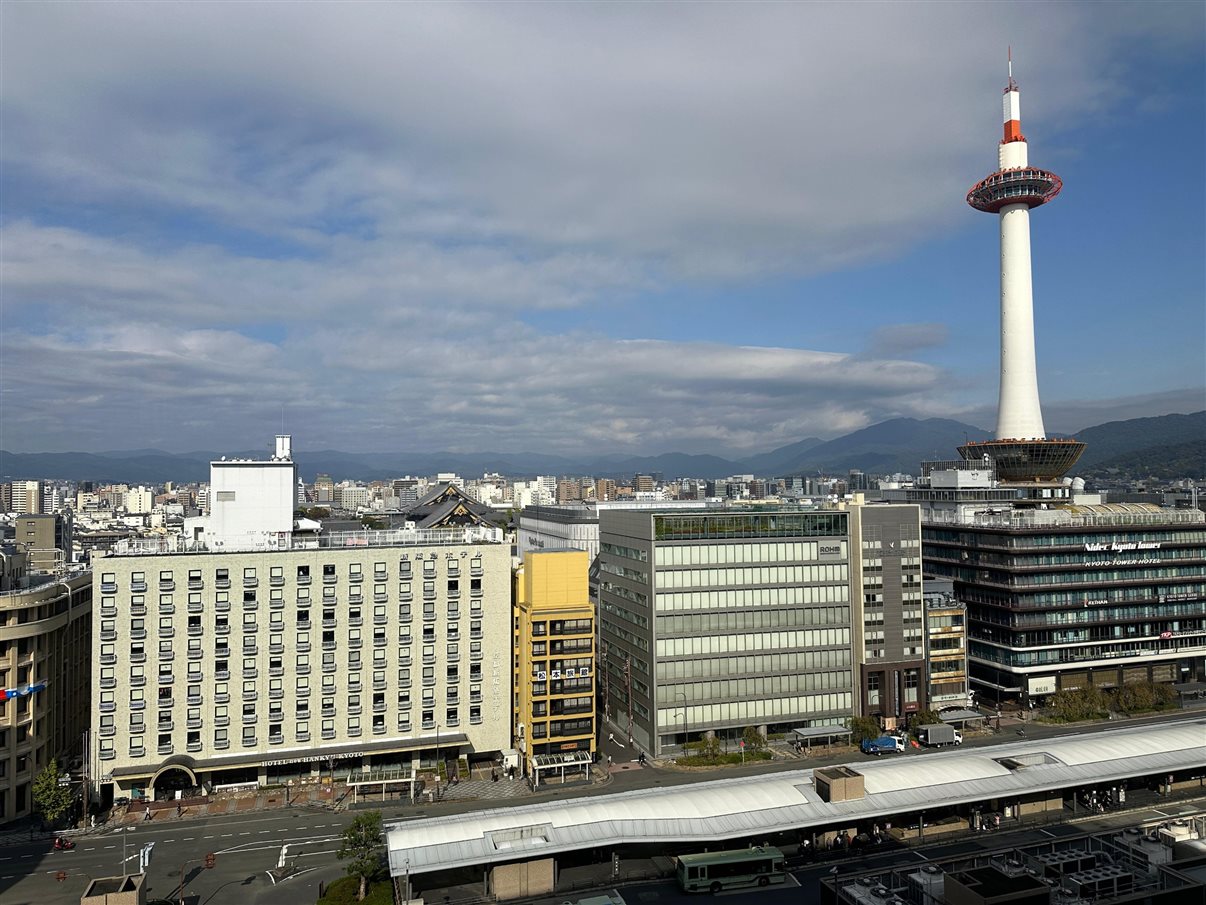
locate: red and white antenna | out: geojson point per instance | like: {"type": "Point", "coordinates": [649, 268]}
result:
{"type": "Point", "coordinates": [1013, 108]}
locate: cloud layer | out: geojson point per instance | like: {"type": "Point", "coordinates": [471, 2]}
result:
{"type": "Point", "coordinates": [421, 226]}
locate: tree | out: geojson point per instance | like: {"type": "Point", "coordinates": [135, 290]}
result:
{"type": "Point", "coordinates": [361, 848]}
{"type": "Point", "coordinates": [863, 727]}
{"type": "Point", "coordinates": [51, 799]}
{"type": "Point", "coordinates": [754, 740]}
{"type": "Point", "coordinates": [925, 718]}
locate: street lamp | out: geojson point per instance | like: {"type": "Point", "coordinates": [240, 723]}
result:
{"type": "Point", "coordinates": [124, 830]}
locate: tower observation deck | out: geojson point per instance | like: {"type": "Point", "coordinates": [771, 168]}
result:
{"type": "Point", "coordinates": [1021, 451]}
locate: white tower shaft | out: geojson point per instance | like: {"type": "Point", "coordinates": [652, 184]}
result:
{"type": "Point", "coordinates": [1019, 413]}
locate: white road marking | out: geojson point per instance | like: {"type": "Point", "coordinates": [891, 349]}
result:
{"type": "Point", "coordinates": [110, 846]}
{"type": "Point", "coordinates": [189, 838]}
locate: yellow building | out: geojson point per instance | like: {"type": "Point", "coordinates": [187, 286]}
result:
{"type": "Point", "coordinates": [554, 655]}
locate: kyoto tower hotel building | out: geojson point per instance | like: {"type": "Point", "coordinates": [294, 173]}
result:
{"type": "Point", "coordinates": [1063, 589]}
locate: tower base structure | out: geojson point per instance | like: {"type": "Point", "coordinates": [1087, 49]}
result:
{"type": "Point", "coordinates": [1026, 461]}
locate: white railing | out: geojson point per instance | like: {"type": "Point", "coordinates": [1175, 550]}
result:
{"type": "Point", "coordinates": [270, 541]}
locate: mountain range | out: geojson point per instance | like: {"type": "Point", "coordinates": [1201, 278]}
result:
{"type": "Point", "coordinates": [897, 445]}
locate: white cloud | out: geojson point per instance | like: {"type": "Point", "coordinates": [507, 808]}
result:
{"type": "Point", "coordinates": [375, 214]}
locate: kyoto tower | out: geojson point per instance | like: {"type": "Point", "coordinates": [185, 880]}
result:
{"type": "Point", "coordinates": [1021, 452]}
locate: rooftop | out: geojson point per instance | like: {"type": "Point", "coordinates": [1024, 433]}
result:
{"type": "Point", "coordinates": [266, 542]}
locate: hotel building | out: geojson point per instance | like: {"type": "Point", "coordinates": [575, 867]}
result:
{"type": "Point", "coordinates": [247, 653]}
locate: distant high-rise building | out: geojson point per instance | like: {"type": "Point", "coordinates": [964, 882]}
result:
{"type": "Point", "coordinates": [324, 490]}
{"type": "Point", "coordinates": [47, 538]}
{"type": "Point", "coordinates": [643, 483]}
{"type": "Point", "coordinates": [26, 497]}
{"type": "Point", "coordinates": [605, 489]}
{"type": "Point", "coordinates": [568, 491]}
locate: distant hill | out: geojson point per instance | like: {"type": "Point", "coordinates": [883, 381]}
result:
{"type": "Point", "coordinates": [1118, 438]}
{"type": "Point", "coordinates": [778, 461]}
{"type": "Point", "coordinates": [898, 445]}
{"type": "Point", "coordinates": [1162, 462]}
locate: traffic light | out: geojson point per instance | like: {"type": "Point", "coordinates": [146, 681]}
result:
{"type": "Point", "coordinates": [210, 859]}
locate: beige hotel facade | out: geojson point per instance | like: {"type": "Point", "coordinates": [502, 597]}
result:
{"type": "Point", "coordinates": [341, 654]}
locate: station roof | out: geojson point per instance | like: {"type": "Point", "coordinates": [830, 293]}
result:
{"type": "Point", "coordinates": [736, 808]}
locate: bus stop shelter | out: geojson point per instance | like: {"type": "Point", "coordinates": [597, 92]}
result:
{"type": "Point", "coordinates": [807, 735]}
{"type": "Point", "coordinates": [962, 717]}
{"type": "Point", "coordinates": [383, 782]}
{"type": "Point", "coordinates": [575, 762]}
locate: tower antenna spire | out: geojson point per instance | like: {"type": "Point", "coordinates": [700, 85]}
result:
{"type": "Point", "coordinates": [1009, 57]}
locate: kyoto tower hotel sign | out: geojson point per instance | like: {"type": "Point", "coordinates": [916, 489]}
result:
{"type": "Point", "coordinates": [1021, 452]}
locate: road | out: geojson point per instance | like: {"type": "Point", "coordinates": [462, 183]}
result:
{"type": "Point", "coordinates": [249, 845]}
{"type": "Point", "coordinates": [246, 846]}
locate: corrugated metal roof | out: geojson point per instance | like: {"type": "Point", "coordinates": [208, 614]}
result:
{"type": "Point", "coordinates": [738, 807]}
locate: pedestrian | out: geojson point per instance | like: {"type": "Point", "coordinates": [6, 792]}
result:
{"type": "Point", "coordinates": [147, 813]}
{"type": "Point", "coordinates": [609, 762]}
{"type": "Point", "coordinates": [611, 736]}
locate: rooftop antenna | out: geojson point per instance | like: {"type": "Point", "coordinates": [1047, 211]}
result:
{"type": "Point", "coordinates": [1009, 56]}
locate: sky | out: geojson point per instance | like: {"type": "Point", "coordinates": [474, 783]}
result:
{"type": "Point", "coordinates": [582, 227]}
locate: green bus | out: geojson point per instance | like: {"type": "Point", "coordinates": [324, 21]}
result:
{"type": "Point", "coordinates": [714, 871]}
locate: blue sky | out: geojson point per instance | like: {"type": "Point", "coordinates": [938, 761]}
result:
{"type": "Point", "coordinates": [570, 227]}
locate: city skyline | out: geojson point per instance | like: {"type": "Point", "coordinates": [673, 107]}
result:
{"type": "Point", "coordinates": [700, 229]}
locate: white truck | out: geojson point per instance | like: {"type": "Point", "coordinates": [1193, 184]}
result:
{"type": "Point", "coordinates": [937, 735]}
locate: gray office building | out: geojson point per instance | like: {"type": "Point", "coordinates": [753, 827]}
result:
{"type": "Point", "coordinates": [715, 621]}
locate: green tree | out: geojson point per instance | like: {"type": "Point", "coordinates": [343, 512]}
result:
{"type": "Point", "coordinates": [862, 727]}
{"type": "Point", "coordinates": [1080, 704]}
{"type": "Point", "coordinates": [361, 848]}
{"type": "Point", "coordinates": [754, 740]}
{"type": "Point", "coordinates": [51, 799]}
{"type": "Point", "coordinates": [925, 718]}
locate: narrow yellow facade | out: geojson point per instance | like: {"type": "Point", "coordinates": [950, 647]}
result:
{"type": "Point", "coordinates": [554, 655]}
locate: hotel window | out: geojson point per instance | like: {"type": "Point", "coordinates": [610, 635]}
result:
{"type": "Point", "coordinates": [428, 567]}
